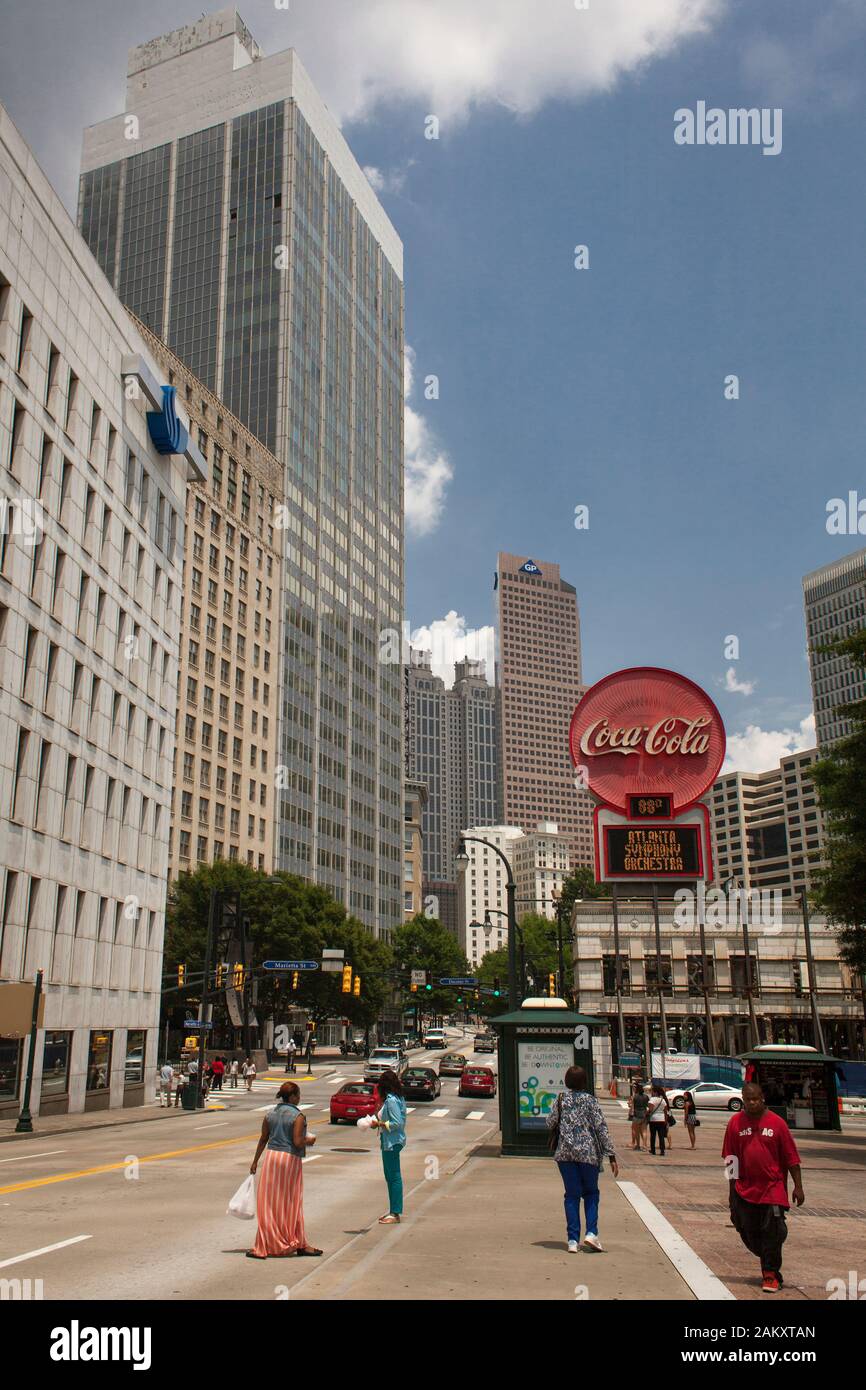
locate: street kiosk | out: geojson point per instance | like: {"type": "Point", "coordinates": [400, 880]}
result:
{"type": "Point", "coordinates": [537, 1044]}
{"type": "Point", "coordinates": [799, 1083]}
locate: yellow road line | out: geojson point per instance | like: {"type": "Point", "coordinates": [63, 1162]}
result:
{"type": "Point", "coordinates": [114, 1167]}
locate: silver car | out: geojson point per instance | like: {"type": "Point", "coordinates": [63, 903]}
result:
{"type": "Point", "coordinates": [709, 1095]}
{"type": "Point", "coordinates": [384, 1059]}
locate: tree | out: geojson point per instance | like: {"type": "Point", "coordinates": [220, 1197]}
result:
{"type": "Point", "coordinates": [423, 943]}
{"type": "Point", "coordinates": [580, 884]}
{"type": "Point", "coordinates": [840, 777]}
{"type": "Point", "coordinates": [493, 965]}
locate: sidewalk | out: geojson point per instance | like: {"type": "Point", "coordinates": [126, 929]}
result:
{"type": "Point", "coordinates": [493, 1228]}
{"type": "Point", "coordinates": [106, 1119]}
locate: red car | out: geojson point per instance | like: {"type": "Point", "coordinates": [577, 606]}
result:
{"type": "Point", "coordinates": [477, 1081]}
{"type": "Point", "coordinates": [353, 1100]}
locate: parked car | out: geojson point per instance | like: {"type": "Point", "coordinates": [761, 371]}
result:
{"type": "Point", "coordinates": [353, 1100]}
{"type": "Point", "coordinates": [485, 1042]}
{"type": "Point", "coordinates": [384, 1059]}
{"type": "Point", "coordinates": [452, 1064]}
{"type": "Point", "coordinates": [477, 1081]}
{"type": "Point", "coordinates": [435, 1037]}
{"type": "Point", "coordinates": [421, 1083]}
{"type": "Point", "coordinates": [709, 1095]}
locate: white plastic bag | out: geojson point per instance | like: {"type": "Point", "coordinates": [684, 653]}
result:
{"type": "Point", "coordinates": [243, 1204]}
{"type": "Point", "coordinates": [365, 1122]}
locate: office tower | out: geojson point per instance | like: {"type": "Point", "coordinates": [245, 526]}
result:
{"type": "Point", "coordinates": [91, 544]}
{"type": "Point", "coordinates": [228, 210]}
{"type": "Point", "coordinates": [413, 840]}
{"type": "Point", "coordinates": [766, 827]}
{"type": "Point", "coordinates": [452, 746]}
{"type": "Point", "coordinates": [481, 889]}
{"type": "Point", "coordinates": [539, 677]}
{"type": "Point", "coordinates": [541, 863]}
{"type": "Point", "coordinates": [835, 601]}
{"type": "Point", "coordinates": [229, 669]}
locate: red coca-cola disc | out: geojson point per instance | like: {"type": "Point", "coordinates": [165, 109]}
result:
{"type": "Point", "coordinates": [647, 732]}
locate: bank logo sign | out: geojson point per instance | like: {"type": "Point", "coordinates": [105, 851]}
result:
{"type": "Point", "coordinates": [166, 431]}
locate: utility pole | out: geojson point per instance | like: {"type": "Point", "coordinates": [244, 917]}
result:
{"type": "Point", "coordinates": [214, 908]}
{"type": "Point", "coordinates": [617, 966]}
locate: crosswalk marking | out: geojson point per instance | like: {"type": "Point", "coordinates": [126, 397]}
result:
{"type": "Point", "coordinates": [335, 1080]}
{"type": "Point", "coordinates": [439, 1114]}
{"type": "Point", "coordinates": [410, 1109]}
{"type": "Point", "coordinates": [475, 1115]}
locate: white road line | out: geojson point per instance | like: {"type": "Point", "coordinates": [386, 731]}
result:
{"type": "Point", "coordinates": [410, 1109]}
{"type": "Point", "coordinates": [311, 1158]}
{"type": "Point", "coordinates": [699, 1277]}
{"type": "Point", "coordinates": [43, 1250]}
{"type": "Point", "coordinates": [325, 1110]}
{"type": "Point", "coordinates": [335, 1080]}
{"type": "Point", "coordinates": [475, 1115]}
{"type": "Point", "coordinates": [44, 1154]}
{"type": "Point", "coordinates": [217, 1126]}
{"type": "Point", "coordinates": [623, 1103]}
{"type": "Point", "coordinates": [439, 1114]}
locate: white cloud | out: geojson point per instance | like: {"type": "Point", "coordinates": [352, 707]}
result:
{"type": "Point", "coordinates": [448, 640]}
{"type": "Point", "coordinates": [759, 750]}
{"type": "Point", "coordinates": [388, 180]}
{"type": "Point", "coordinates": [428, 470]}
{"type": "Point", "coordinates": [456, 53]}
{"type": "Point", "coordinates": [735, 687]}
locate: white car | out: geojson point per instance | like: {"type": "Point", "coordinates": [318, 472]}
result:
{"type": "Point", "coordinates": [384, 1059]}
{"type": "Point", "coordinates": [709, 1095]}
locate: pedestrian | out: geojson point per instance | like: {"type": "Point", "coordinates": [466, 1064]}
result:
{"type": "Point", "coordinates": [639, 1105]}
{"type": "Point", "coordinates": [759, 1154]}
{"type": "Point", "coordinates": [309, 1054]}
{"type": "Point", "coordinates": [280, 1195]}
{"type": "Point", "coordinates": [291, 1049]}
{"type": "Point", "coordinates": [580, 1141]}
{"type": "Point", "coordinates": [166, 1076]}
{"type": "Point", "coordinates": [233, 1073]}
{"type": "Point", "coordinates": [657, 1116]}
{"type": "Point", "coordinates": [391, 1122]}
{"type": "Point", "coordinates": [670, 1118]}
{"type": "Point", "coordinates": [218, 1069]}
{"type": "Point", "coordinates": [181, 1081]}
{"type": "Point", "coordinates": [249, 1073]}
{"type": "Point", "coordinates": [690, 1116]}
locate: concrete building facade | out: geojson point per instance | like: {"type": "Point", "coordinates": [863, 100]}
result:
{"type": "Point", "coordinates": [779, 973]}
{"type": "Point", "coordinates": [538, 668]}
{"type": "Point", "coordinates": [226, 770]}
{"type": "Point", "coordinates": [91, 550]}
{"type": "Point", "coordinates": [228, 210]}
{"type": "Point", "coordinates": [481, 888]}
{"type": "Point", "coordinates": [541, 861]}
{"type": "Point", "coordinates": [413, 851]}
{"type": "Point", "coordinates": [835, 603]}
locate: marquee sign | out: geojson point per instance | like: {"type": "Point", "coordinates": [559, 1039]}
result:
{"type": "Point", "coordinates": [649, 743]}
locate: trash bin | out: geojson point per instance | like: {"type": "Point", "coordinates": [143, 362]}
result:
{"type": "Point", "coordinates": [187, 1097]}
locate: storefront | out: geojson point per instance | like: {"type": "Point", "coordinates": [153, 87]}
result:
{"type": "Point", "coordinates": [799, 1083]}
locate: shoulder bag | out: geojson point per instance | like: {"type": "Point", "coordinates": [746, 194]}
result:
{"type": "Point", "coordinates": [553, 1132]}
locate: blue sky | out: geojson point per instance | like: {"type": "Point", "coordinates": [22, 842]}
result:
{"type": "Point", "coordinates": [602, 386]}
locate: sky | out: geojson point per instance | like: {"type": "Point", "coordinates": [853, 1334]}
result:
{"type": "Point", "coordinates": [606, 387]}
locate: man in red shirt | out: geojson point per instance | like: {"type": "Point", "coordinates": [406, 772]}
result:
{"type": "Point", "coordinates": [759, 1154]}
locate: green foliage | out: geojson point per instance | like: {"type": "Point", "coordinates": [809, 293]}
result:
{"type": "Point", "coordinates": [580, 884]}
{"type": "Point", "coordinates": [423, 943]}
{"type": "Point", "coordinates": [840, 778]}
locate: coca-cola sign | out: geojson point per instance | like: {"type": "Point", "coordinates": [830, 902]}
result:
{"type": "Point", "coordinates": [647, 732]}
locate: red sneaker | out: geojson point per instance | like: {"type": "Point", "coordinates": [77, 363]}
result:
{"type": "Point", "coordinates": [771, 1281]}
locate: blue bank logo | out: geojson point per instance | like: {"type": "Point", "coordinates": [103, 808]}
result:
{"type": "Point", "coordinates": [530, 568]}
{"type": "Point", "coordinates": [166, 431]}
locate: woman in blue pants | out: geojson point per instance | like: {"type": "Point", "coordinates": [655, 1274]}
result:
{"type": "Point", "coordinates": [391, 1123]}
{"type": "Point", "coordinates": [583, 1142]}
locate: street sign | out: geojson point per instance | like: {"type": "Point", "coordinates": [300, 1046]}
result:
{"type": "Point", "coordinates": [454, 979]}
{"type": "Point", "coordinates": [290, 965]}
{"type": "Point", "coordinates": [629, 1059]}
{"type": "Point", "coordinates": [197, 1023]}
{"type": "Point", "coordinates": [419, 977]}
{"type": "Point", "coordinates": [333, 960]}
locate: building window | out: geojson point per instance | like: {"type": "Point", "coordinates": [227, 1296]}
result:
{"type": "Point", "coordinates": [56, 1052]}
{"type": "Point", "coordinates": [134, 1071]}
{"type": "Point", "coordinates": [10, 1067]}
{"type": "Point", "coordinates": [99, 1062]}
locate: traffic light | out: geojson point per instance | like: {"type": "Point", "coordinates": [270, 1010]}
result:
{"type": "Point", "coordinates": [181, 976]}
{"type": "Point", "coordinates": [237, 976]}
{"type": "Point", "coordinates": [413, 988]}
{"type": "Point", "coordinates": [428, 979]}
{"type": "Point", "coordinates": [357, 989]}
{"type": "Point", "coordinates": [221, 972]}
{"type": "Point", "coordinates": [496, 986]}
{"type": "Point", "coordinates": [460, 999]}
{"type": "Point", "coordinates": [551, 984]}
{"type": "Point", "coordinates": [295, 977]}
{"type": "Point", "coordinates": [347, 979]}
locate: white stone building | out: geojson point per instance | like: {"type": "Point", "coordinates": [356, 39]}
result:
{"type": "Point", "coordinates": [90, 587]}
{"type": "Point", "coordinates": [481, 888]}
{"type": "Point", "coordinates": [541, 862]}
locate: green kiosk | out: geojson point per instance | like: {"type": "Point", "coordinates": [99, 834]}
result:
{"type": "Point", "coordinates": [799, 1084]}
{"type": "Point", "coordinates": [537, 1044]}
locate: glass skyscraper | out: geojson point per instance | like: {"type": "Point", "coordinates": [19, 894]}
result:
{"type": "Point", "coordinates": [229, 213]}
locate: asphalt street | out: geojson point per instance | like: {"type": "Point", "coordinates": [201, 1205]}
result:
{"type": "Point", "coordinates": [139, 1211]}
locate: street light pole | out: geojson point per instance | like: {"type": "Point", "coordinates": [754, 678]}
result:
{"type": "Point", "coordinates": [511, 901]}
{"type": "Point", "coordinates": [617, 966]}
{"type": "Point", "coordinates": [25, 1119]}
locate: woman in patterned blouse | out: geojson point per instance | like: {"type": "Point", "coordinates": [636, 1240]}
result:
{"type": "Point", "coordinates": [583, 1144]}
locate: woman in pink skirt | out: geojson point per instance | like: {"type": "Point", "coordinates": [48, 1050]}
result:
{"type": "Point", "coordinates": [280, 1196]}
